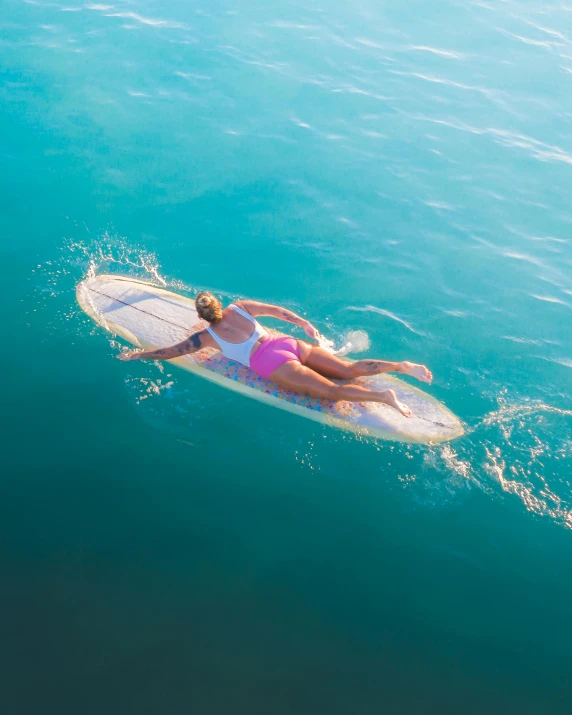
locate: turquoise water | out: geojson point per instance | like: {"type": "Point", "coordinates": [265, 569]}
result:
{"type": "Point", "coordinates": [170, 547]}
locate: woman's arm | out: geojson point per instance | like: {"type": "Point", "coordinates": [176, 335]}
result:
{"type": "Point", "coordinates": [190, 345]}
{"type": "Point", "coordinates": [257, 309]}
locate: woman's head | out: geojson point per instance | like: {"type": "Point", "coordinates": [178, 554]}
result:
{"type": "Point", "coordinates": [209, 308]}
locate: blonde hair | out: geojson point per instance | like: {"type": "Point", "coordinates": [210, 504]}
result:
{"type": "Point", "coordinates": [209, 308]}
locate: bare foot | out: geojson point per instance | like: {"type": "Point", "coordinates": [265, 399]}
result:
{"type": "Point", "coordinates": [419, 371]}
{"type": "Point", "coordinates": [391, 399]}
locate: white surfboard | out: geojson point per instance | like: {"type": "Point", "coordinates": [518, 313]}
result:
{"type": "Point", "coordinates": [150, 317]}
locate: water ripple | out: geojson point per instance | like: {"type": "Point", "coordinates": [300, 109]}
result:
{"type": "Point", "coordinates": [152, 22]}
{"type": "Point", "coordinates": [387, 314]}
{"type": "Point", "coordinates": [436, 51]}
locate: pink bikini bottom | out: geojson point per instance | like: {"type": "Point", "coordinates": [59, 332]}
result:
{"type": "Point", "coordinates": [272, 353]}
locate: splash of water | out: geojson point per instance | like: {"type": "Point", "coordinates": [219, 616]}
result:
{"type": "Point", "coordinates": [113, 254]}
{"type": "Point", "coordinates": [519, 447]}
{"type": "Point", "coordinates": [355, 341]}
{"type": "Point", "coordinates": [519, 481]}
{"type": "Point", "coordinates": [80, 259]}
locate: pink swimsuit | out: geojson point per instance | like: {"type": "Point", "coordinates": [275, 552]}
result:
{"type": "Point", "coordinates": [273, 352]}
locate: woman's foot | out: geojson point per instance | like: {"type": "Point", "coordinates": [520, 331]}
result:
{"type": "Point", "coordinates": [390, 398]}
{"type": "Point", "coordinates": [419, 371]}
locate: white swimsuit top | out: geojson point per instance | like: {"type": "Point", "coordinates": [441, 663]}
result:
{"type": "Point", "coordinates": [240, 351]}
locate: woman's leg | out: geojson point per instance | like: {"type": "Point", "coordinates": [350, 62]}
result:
{"type": "Point", "coordinates": [329, 365]}
{"type": "Point", "coordinates": [324, 363]}
{"type": "Point", "coordinates": [300, 378]}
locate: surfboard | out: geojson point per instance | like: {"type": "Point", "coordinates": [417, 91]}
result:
{"type": "Point", "coordinates": [150, 317]}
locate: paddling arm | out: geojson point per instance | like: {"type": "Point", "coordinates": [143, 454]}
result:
{"type": "Point", "coordinates": [257, 309]}
{"type": "Point", "coordinates": [190, 345]}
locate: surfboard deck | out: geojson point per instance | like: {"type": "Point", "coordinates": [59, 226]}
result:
{"type": "Point", "coordinates": [151, 317]}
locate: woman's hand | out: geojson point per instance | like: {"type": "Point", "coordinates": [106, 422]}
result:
{"type": "Point", "coordinates": [129, 355]}
{"type": "Point", "coordinates": [310, 330]}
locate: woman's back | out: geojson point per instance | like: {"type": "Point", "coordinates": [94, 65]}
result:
{"type": "Point", "coordinates": [236, 334]}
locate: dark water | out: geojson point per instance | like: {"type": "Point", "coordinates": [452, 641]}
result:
{"type": "Point", "coordinates": [169, 547]}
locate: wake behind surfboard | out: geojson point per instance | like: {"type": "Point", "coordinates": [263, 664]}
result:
{"type": "Point", "coordinates": [151, 317]}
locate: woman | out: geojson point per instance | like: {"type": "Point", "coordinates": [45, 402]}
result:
{"type": "Point", "coordinates": [294, 364]}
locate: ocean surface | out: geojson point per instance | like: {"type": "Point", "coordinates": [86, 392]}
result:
{"type": "Point", "coordinates": [404, 169]}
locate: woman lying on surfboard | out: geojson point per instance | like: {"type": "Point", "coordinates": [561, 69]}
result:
{"type": "Point", "coordinates": [293, 364]}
